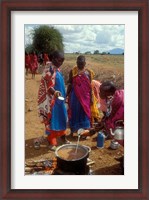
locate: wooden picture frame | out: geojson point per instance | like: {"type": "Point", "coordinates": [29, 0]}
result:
{"type": "Point", "coordinates": [5, 109]}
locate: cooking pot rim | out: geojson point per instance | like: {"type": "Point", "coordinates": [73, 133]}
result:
{"type": "Point", "coordinates": [66, 145]}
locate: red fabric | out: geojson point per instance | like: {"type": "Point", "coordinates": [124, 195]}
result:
{"type": "Point", "coordinates": [82, 88]}
{"type": "Point", "coordinates": [45, 58]}
{"type": "Point", "coordinates": [45, 99]}
{"type": "Point", "coordinates": [34, 62]}
{"type": "Point", "coordinates": [27, 61]}
{"type": "Point", "coordinates": [117, 109]}
{"type": "Point", "coordinates": [52, 137]}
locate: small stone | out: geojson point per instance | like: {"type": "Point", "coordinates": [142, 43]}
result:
{"type": "Point", "coordinates": [30, 109]}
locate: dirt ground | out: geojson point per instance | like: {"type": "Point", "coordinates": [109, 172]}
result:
{"type": "Point", "coordinates": [105, 161]}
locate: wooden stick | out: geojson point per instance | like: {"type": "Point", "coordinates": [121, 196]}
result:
{"type": "Point", "coordinates": [29, 169]}
{"type": "Point", "coordinates": [91, 163]}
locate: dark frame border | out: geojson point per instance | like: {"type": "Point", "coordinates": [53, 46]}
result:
{"type": "Point", "coordinates": [142, 6]}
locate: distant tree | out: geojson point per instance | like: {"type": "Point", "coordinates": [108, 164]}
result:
{"type": "Point", "coordinates": [47, 39]}
{"type": "Point", "coordinates": [29, 48]}
{"type": "Point", "coordinates": [96, 52]}
{"type": "Point", "coordinates": [87, 52]}
{"type": "Point", "coordinates": [103, 53]}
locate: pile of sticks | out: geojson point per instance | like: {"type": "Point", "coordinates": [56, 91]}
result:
{"type": "Point", "coordinates": [45, 167]}
{"type": "Point", "coordinates": [40, 167]}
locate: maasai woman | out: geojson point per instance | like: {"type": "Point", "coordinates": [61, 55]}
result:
{"type": "Point", "coordinates": [79, 94]}
{"type": "Point", "coordinates": [101, 103]}
{"type": "Point", "coordinates": [33, 63]}
{"type": "Point", "coordinates": [27, 62]}
{"type": "Point", "coordinates": [51, 110]}
{"type": "Point", "coordinates": [45, 58]}
{"type": "Point", "coordinates": [110, 103]}
{"type": "Point", "coordinates": [115, 104]}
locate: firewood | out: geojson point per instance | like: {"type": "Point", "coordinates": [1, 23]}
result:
{"type": "Point", "coordinates": [91, 163]}
{"type": "Point", "coordinates": [28, 169]}
{"type": "Point", "coordinates": [30, 165]}
{"type": "Point", "coordinates": [37, 161]}
{"type": "Point", "coordinates": [38, 168]}
{"type": "Point", "coordinates": [40, 164]}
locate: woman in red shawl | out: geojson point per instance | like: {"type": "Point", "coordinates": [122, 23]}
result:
{"type": "Point", "coordinates": [33, 63]}
{"type": "Point", "coordinates": [52, 111]}
{"type": "Point", "coordinates": [27, 62]}
{"type": "Point", "coordinates": [45, 58]}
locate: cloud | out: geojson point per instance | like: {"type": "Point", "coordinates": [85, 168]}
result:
{"type": "Point", "coordinates": [84, 38]}
{"type": "Point", "coordinates": [103, 38]}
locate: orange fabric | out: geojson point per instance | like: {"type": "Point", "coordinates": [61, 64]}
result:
{"type": "Point", "coordinates": [52, 137]}
{"type": "Point", "coordinates": [102, 102]}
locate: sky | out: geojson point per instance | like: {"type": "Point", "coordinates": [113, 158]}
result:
{"type": "Point", "coordinates": [83, 38]}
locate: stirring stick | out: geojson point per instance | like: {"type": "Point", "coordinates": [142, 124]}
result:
{"type": "Point", "coordinates": [77, 144]}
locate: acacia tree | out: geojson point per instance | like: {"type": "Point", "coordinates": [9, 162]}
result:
{"type": "Point", "coordinates": [29, 48]}
{"type": "Point", "coordinates": [47, 39]}
{"type": "Point", "coordinates": [96, 52]}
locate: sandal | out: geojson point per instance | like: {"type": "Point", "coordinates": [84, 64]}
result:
{"type": "Point", "coordinates": [67, 142]}
{"type": "Point", "coordinates": [36, 144]}
{"type": "Point", "coordinates": [64, 140]}
{"type": "Point", "coordinates": [41, 139]}
{"type": "Point", "coordinates": [52, 147]}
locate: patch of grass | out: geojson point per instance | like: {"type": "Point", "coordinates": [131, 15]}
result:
{"type": "Point", "coordinates": [105, 67]}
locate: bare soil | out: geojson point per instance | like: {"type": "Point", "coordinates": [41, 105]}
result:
{"type": "Point", "coordinates": [106, 160]}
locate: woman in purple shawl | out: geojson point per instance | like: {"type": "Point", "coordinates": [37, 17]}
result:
{"type": "Point", "coordinates": [79, 96]}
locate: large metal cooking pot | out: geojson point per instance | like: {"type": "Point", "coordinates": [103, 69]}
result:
{"type": "Point", "coordinates": [71, 163]}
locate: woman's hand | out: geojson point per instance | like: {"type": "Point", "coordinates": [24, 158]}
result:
{"type": "Point", "coordinates": [57, 93]}
{"type": "Point", "coordinates": [98, 126]}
